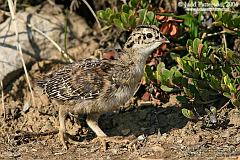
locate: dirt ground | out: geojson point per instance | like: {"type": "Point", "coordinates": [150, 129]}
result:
{"type": "Point", "coordinates": [139, 131]}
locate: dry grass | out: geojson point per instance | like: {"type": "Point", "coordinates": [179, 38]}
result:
{"type": "Point", "coordinates": [2, 98]}
{"type": "Point", "coordinates": [19, 48]}
{"type": "Point", "coordinates": [93, 13]}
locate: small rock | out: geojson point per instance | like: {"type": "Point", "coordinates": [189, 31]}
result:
{"type": "Point", "coordinates": [215, 137]}
{"type": "Point", "coordinates": [34, 150]}
{"type": "Point", "coordinates": [238, 139]}
{"type": "Point", "coordinates": [164, 135]}
{"type": "Point", "coordinates": [141, 137]}
{"type": "Point", "coordinates": [143, 128]}
{"type": "Point", "coordinates": [225, 134]}
{"type": "Point", "coordinates": [234, 117]}
{"type": "Point", "coordinates": [179, 141]}
{"type": "Point", "coordinates": [125, 131]}
{"type": "Point", "coordinates": [26, 106]}
{"type": "Point", "coordinates": [192, 140]}
{"type": "Point", "coordinates": [157, 148]}
{"type": "Point", "coordinates": [16, 113]}
{"type": "Point", "coordinates": [47, 127]}
{"type": "Point", "coordinates": [114, 151]}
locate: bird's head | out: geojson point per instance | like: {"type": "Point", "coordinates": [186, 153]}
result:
{"type": "Point", "coordinates": [145, 39]}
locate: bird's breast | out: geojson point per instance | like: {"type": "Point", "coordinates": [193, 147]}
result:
{"type": "Point", "coordinates": [126, 91]}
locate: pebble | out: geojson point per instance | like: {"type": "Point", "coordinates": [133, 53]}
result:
{"type": "Point", "coordinates": [179, 141]}
{"type": "Point", "coordinates": [125, 131]}
{"type": "Point", "coordinates": [141, 137]}
{"type": "Point", "coordinates": [114, 151]}
{"type": "Point", "coordinates": [225, 134]}
{"type": "Point", "coordinates": [157, 148]}
{"type": "Point", "coordinates": [26, 106]}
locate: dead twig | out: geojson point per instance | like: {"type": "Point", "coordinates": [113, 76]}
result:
{"type": "Point", "coordinates": [93, 13]}
{"type": "Point", "coordinates": [225, 43]}
{"type": "Point", "coordinates": [3, 106]}
{"type": "Point", "coordinates": [34, 134]}
{"type": "Point", "coordinates": [225, 105]}
{"type": "Point", "coordinates": [19, 48]}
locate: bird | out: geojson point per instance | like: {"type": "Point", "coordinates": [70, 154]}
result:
{"type": "Point", "coordinates": [94, 86]}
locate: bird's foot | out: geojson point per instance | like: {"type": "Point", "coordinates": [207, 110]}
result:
{"type": "Point", "coordinates": [63, 137]}
{"type": "Point", "coordinates": [105, 140]}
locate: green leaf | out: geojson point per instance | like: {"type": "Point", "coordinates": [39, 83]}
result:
{"type": "Point", "coordinates": [184, 82]}
{"type": "Point", "coordinates": [160, 68]}
{"type": "Point", "coordinates": [226, 94]}
{"type": "Point", "coordinates": [193, 90]}
{"type": "Point", "coordinates": [132, 21]}
{"type": "Point", "coordinates": [166, 76]}
{"type": "Point", "coordinates": [144, 3]}
{"type": "Point", "coordinates": [236, 21]}
{"type": "Point", "coordinates": [177, 77]}
{"type": "Point", "coordinates": [109, 12]}
{"type": "Point", "coordinates": [192, 24]}
{"type": "Point", "coordinates": [142, 13]}
{"type": "Point", "coordinates": [196, 43]}
{"type": "Point", "coordinates": [205, 50]}
{"type": "Point", "coordinates": [166, 88]}
{"type": "Point", "coordinates": [229, 54]}
{"type": "Point", "coordinates": [174, 56]}
{"type": "Point", "coordinates": [180, 62]}
{"type": "Point", "coordinates": [100, 14]}
{"type": "Point", "coordinates": [213, 110]}
{"type": "Point", "coordinates": [226, 80]}
{"type": "Point", "coordinates": [124, 18]}
{"type": "Point", "coordinates": [238, 95]}
{"type": "Point", "coordinates": [215, 2]}
{"type": "Point", "coordinates": [103, 15]}
{"type": "Point", "coordinates": [118, 23]}
{"type": "Point", "coordinates": [232, 88]}
{"type": "Point", "coordinates": [189, 45]}
{"type": "Point", "coordinates": [125, 8]}
{"type": "Point", "coordinates": [228, 20]}
{"type": "Point", "coordinates": [133, 3]}
{"type": "Point", "coordinates": [146, 79]}
{"type": "Point", "coordinates": [235, 102]}
{"type": "Point", "coordinates": [182, 99]}
{"type": "Point", "coordinates": [150, 16]}
{"type": "Point", "coordinates": [188, 92]}
{"type": "Point", "coordinates": [214, 83]}
{"type": "Point", "coordinates": [187, 68]}
{"type": "Point", "coordinates": [149, 72]}
{"type": "Point", "coordinates": [188, 113]}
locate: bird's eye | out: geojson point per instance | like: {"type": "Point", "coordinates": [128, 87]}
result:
{"type": "Point", "coordinates": [149, 35]}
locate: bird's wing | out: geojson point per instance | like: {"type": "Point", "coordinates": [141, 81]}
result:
{"type": "Point", "coordinates": [85, 79]}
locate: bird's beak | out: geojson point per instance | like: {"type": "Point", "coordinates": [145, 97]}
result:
{"type": "Point", "coordinates": [164, 40]}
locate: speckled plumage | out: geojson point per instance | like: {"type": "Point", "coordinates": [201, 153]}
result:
{"type": "Point", "coordinates": [96, 86]}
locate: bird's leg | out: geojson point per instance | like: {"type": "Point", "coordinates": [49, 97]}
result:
{"type": "Point", "coordinates": [92, 121]}
{"type": "Point", "coordinates": [62, 130]}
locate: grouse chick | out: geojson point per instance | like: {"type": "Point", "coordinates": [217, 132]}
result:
{"type": "Point", "coordinates": [97, 86]}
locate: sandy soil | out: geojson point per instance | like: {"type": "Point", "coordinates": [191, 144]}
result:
{"type": "Point", "coordinates": [140, 132]}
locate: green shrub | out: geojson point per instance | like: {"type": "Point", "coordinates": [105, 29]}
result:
{"type": "Point", "coordinates": [206, 71]}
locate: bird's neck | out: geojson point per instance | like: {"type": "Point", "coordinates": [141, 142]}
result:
{"type": "Point", "coordinates": [136, 57]}
{"type": "Point", "coordinates": [136, 62]}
